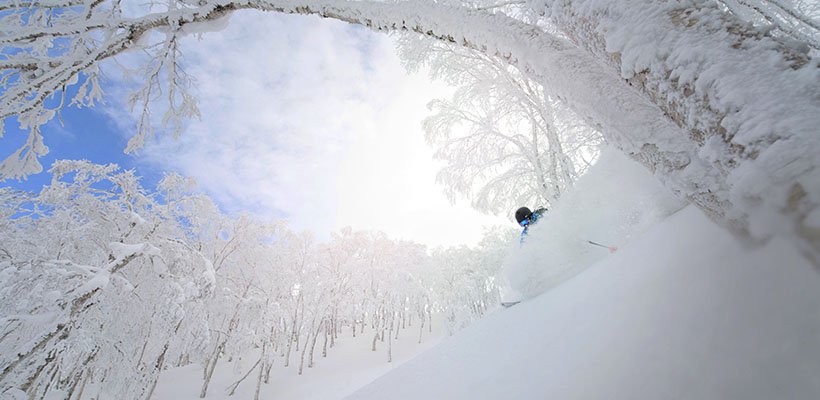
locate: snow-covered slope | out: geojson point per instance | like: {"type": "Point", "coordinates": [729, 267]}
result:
{"type": "Point", "coordinates": [683, 311]}
{"type": "Point", "coordinates": [350, 365]}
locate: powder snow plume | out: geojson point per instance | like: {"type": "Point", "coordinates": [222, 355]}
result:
{"type": "Point", "coordinates": [614, 201]}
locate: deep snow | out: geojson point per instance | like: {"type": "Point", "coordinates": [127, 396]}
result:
{"type": "Point", "coordinates": [683, 311]}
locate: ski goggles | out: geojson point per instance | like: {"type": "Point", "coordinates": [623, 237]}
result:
{"type": "Point", "coordinates": [524, 222]}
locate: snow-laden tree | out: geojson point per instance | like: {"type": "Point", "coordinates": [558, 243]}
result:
{"type": "Point", "coordinates": [504, 141]}
{"type": "Point", "coordinates": [98, 293]}
{"type": "Point", "coordinates": [246, 302]}
{"type": "Point", "coordinates": [723, 112]}
{"type": "Point", "coordinates": [467, 277]}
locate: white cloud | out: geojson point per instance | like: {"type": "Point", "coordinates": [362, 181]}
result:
{"type": "Point", "coordinates": [316, 121]}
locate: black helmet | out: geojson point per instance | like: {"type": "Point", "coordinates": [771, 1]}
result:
{"type": "Point", "coordinates": [522, 213]}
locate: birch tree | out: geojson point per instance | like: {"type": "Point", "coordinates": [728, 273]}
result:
{"type": "Point", "coordinates": [724, 113]}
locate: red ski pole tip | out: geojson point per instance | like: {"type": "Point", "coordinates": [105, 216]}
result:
{"type": "Point", "coordinates": [612, 249]}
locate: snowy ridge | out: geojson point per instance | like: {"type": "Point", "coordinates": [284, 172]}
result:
{"type": "Point", "coordinates": [682, 312]}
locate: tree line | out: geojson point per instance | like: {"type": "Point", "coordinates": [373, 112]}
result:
{"type": "Point", "coordinates": [105, 284]}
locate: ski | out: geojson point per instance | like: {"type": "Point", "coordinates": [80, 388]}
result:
{"type": "Point", "coordinates": [508, 304]}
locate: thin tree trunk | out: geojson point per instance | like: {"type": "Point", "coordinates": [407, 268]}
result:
{"type": "Point", "coordinates": [263, 367]}
{"type": "Point", "coordinates": [209, 369]}
{"type": "Point", "coordinates": [383, 317]}
{"type": "Point", "coordinates": [287, 352]}
{"type": "Point", "coordinates": [302, 357]}
{"type": "Point", "coordinates": [332, 332]}
{"type": "Point", "coordinates": [142, 351]}
{"type": "Point", "coordinates": [259, 378]}
{"type": "Point", "coordinates": [236, 384]}
{"type": "Point", "coordinates": [312, 347]}
{"type": "Point", "coordinates": [390, 343]}
{"type": "Point", "coordinates": [421, 329]}
{"type": "Point", "coordinates": [397, 327]}
{"type": "Point", "coordinates": [33, 392]}
{"type": "Point", "coordinates": [158, 365]}
{"type": "Point", "coordinates": [333, 327]}
{"type": "Point", "coordinates": [267, 371]}
{"type": "Point", "coordinates": [324, 346]}
{"type": "Point", "coordinates": [70, 394]}
{"type": "Point", "coordinates": [82, 386]}
{"type": "Point", "coordinates": [82, 373]}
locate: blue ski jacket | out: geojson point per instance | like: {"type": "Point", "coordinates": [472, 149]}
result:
{"type": "Point", "coordinates": [533, 220]}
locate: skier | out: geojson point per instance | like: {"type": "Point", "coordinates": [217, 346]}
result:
{"type": "Point", "coordinates": [527, 218]}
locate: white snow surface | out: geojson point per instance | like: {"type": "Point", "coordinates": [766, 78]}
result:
{"type": "Point", "coordinates": [684, 311]}
{"type": "Point", "coordinates": [349, 365]}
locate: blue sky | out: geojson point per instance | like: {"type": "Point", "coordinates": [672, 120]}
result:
{"type": "Point", "coordinates": [311, 120]}
{"type": "Point", "coordinates": [88, 134]}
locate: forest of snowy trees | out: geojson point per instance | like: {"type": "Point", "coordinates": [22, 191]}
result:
{"type": "Point", "coordinates": [96, 272]}
{"type": "Point", "coordinates": [719, 99]}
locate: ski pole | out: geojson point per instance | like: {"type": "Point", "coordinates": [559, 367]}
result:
{"type": "Point", "coordinates": [611, 249]}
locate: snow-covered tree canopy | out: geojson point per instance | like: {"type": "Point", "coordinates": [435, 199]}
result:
{"type": "Point", "coordinates": [504, 140]}
{"type": "Point", "coordinates": [724, 112]}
